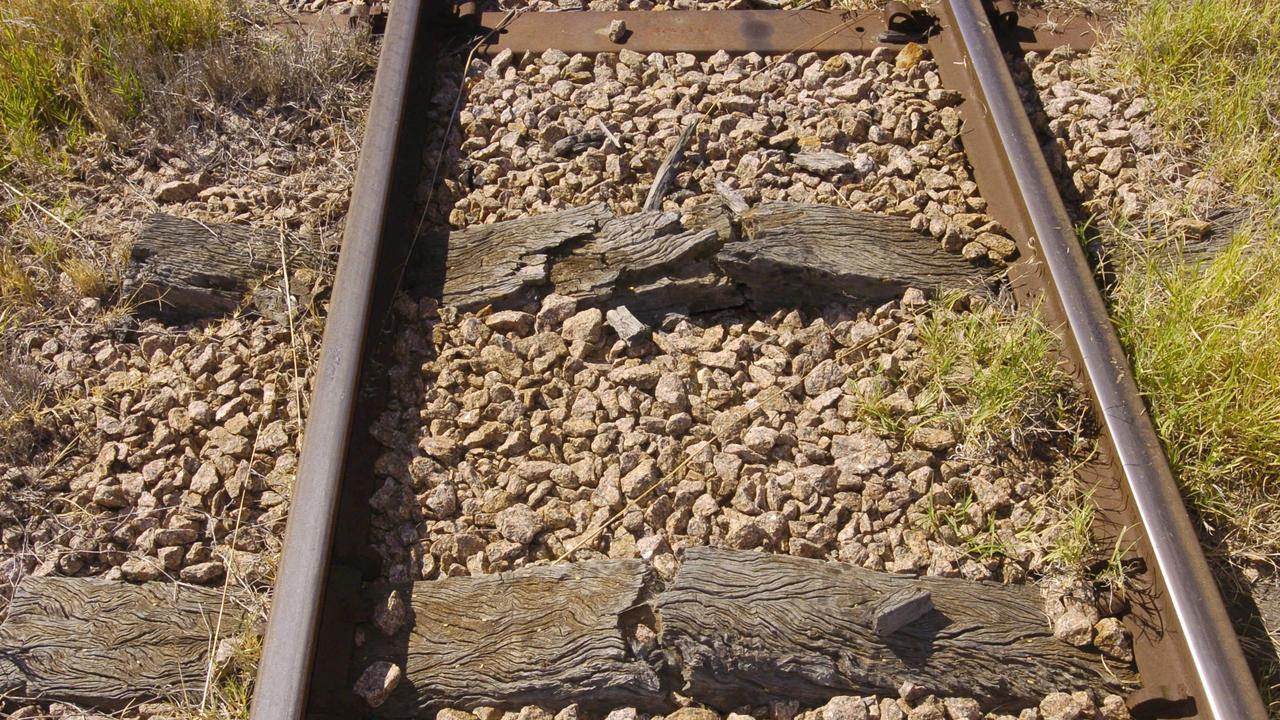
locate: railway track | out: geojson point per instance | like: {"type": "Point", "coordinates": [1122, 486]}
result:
{"type": "Point", "coordinates": [317, 643]}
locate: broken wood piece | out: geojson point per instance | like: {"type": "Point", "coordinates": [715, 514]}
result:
{"type": "Point", "coordinates": [183, 270]}
{"type": "Point", "coordinates": [492, 264]}
{"type": "Point", "coordinates": [630, 246]}
{"type": "Point", "coordinates": [735, 628]}
{"type": "Point", "coordinates": [626, 325]}
{"type": "Point", "coordinates": [578, 143]}
{"type": "Point", "coordinates": [1183, 243]}
{"type": "Point", "coordinates": [545, 635]}
{"type": "Point", "coordinates": [605, 129]}
{"type": "Point", "coordinates": [667, 170]}
{"type": "Point", "coordinates": [784, 254]}
{"type": "Point", "coordinates": [823, 162]}
{"type": "Point", "coordinates": [809, 254]}
{"type": "Point", "coordinates": [732, 199]}
{"type": "Point", "coordinates": [110, 644]}
{"type": "Point", "coordinates": [900, 608]}
{"type": "Point", "coordinates": [752, 628]}
{"type": "Point", "coordinates": [691, 289]}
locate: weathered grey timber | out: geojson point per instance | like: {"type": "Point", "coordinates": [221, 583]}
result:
{"type": "Point", "coordinates": [717, 214]}
{"type": "Point", "coordinates": [183, 269]}
{"type": "Point", "coordinates": [708, 258]}
{"type": "Point", "coordinates": [629, 328]}
{"type": "Point", "coordinates": [572, 145]}
{"type": "Point", "coordinates": [899, 609]}
{"type": "Point", "coordinates": [736, 628]}
{"type": "Point", "coordinates": [108, 643]}
{"type": "Point", "coordinates": [548, 635]}
{"type": "Point", "coordinates": [667, 170]}
{"type": "Point", "coordinates": [631, 246]}
{"type": "Point", "coordinates": [689, 289]}
{"type": "Point", "coordinates": [490, 264]}
{"type": "Point", "coordinates": [750, 628]}
{"type": "Point", "coordinates": [732, 198]}
{"type": "Point", "coordinates": [812, 253]}
{"type": "Point", "coordinates": [823, 162]}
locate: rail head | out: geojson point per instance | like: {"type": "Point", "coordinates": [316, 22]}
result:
{"type": "Point", "coordinates": [285, 670]}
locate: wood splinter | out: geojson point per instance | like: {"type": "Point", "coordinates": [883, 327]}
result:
{"type": "Point", "coordinates": [667, 171]}
{"type": "Point", "coordinates": [899, 609]}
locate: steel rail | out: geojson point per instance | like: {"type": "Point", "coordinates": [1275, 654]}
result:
{"type": "Point", "coordinates": [1226, 685]}
{"type": "Point", "coordinates": [285, 670]}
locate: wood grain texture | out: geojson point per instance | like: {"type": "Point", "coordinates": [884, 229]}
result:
{"type": "Point", "coordinates": [628, 247]}
{"type": "Point", "coordinates": [670, 166]}
{"type": "Point", "coordinates": [183, 269]}
{"type": "Point", "coordinates": [796, 252]}
{"type": "Point", "coordinates": [541, 635]}
{"type": "Point", "coordinates": [108, 643]}
{"type": "Point", "coordinates": [695, 287]}
{"type": "Point", "coordinates": [733, 200]}
{"type": "Point", "coordinates": [493, 264]}
{"type": "Point", "coordinates": [783, 253]}
{"type": "Point", "coordinates": [750, 628]}
{"type": "Point", "coordinates": [714, 214]}
{"type": "Point", "coordinates": [734, 627]}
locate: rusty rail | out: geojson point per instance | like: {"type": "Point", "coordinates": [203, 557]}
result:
{"type": "Point", "coordinates": [703, 32]}
{"type": "Point", "coordinates": [374, 240]}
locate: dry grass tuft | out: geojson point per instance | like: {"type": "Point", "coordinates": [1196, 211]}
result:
{"type": "Point", "coordinates": [70, 65]}
{"type": "Point", "coordinates": [192, 69]}
{"type": "Point", "coordinates": [1202, 339]}
{"type": "Point", "coordinates": [1204, 350]}
{"type": "Point", "coordinates": [993, 375]}
{"type": "Point", "coordinates": [1210, 69]}
{"type": "Point", "coordinates": [21, 392]}
{"type": "Point", "coordinates": [87, 278]}
{"type": "Point", "coordinates": [16, 286]}
{"type": "Point", "coordinates": [255, 68]}
{"type": "Point", "coordinates": [46, 264]}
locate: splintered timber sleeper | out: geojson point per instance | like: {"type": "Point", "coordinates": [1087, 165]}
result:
{"type": "Point", "coordinates": [733, 628]}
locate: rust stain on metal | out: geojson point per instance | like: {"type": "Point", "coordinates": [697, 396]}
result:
{"type": "Point", "coordinates": [692, 31]}
{"type": "Point", "coordinates": [703, 32]}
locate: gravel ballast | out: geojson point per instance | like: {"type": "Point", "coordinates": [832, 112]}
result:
{"type": "Point", "coordinates": [559, 433]}
{"type": "Point", "coordinates": [183, 454]}
{"type": "Point", "coordinates": [556, 433]}
{"type": "Point", "coordinates": [874, 133]}
{"type": "Point", "coordinates": [540, 435]}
